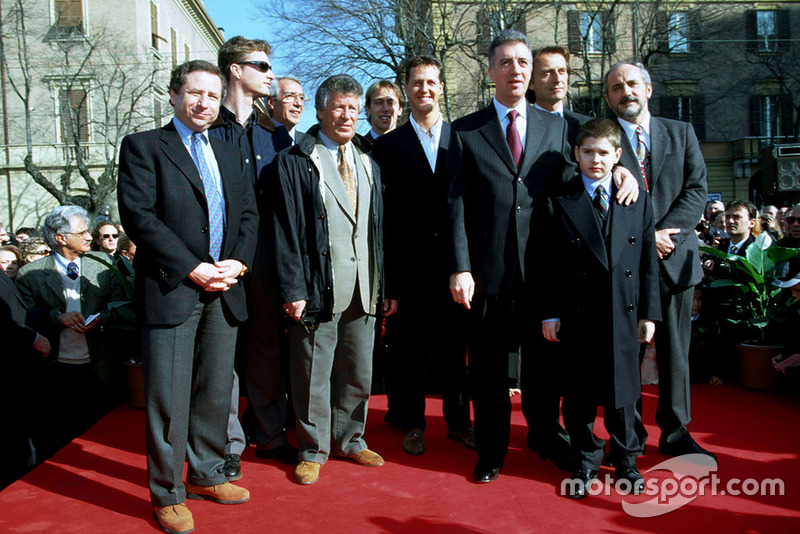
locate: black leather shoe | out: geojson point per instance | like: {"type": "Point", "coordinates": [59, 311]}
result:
{"type": "Point", "coordinates": [632, 475]}
{"type": "Point", "coordinates": [683, 445]}
{"type": "Point", "coordinates": [232, 468]}
{"type": "Point", "coordinates": [484, 474]}
{"type": "Point", "coordinates": [285, 454]}
{"type": "Point", "coordinates": [578, 485]}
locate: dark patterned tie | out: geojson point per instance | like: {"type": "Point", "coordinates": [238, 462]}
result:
{"type": "Point", "coordinates": [72, 270]}
{"type": "Point", "coordinates": [641, 155]}
{"type": "Point", "coordinates": [600, 202]}
{"type": "Point", "coordinates": [347, 177]}
{"type": "Point", "coordinates": [213, 198]}
{"type": "Point", "coordinates": [512, 136]}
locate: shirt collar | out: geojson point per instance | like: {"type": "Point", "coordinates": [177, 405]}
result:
{"type": "Point", "coordinates": [186, 133]}
{"type": "Point", "coordinates": [560, 112]}
{"type": "Point", "coordinates": [591, 185]}
{"type": "Point", "coordinates": [630, 127]}
{"type": "Point", "coordinates": [502, 111]}
{"type": "Point", "coordinates": [229, 116]}
{"type": "Point", "coordinates": [62, 262]}
{"type": "Point", "coordinates": [434, 131]}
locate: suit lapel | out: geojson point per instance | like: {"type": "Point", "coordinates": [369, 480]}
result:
{"type": "Point", "coordinates": [52, 279]}
{"type": "Point", "coordinates": [176, 151]}
{"type": "Point", "coordinates": [496, 137]}
{"type": "Point", "coordinates": [334, 182]}
{"type": "Point", "coordinates": [658, 149]}
{"type": "Point", "coordinates": [533, 137]}
{"type": "Point", "coordinates": [630, 161]}
{"type": "Point", "coordinates": [578, 208]}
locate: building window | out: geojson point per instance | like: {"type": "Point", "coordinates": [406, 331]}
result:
{"type": "Point", "coordinates": [771, 116]}
{"type": "Point", "coordinates": [74, 109]}
{"type": "Point", "coordinates": [591, 33]}
{"type": "Point", "coordinates": [768, 30]}
{"type": "Point", "coordinates": [155, 38]}
{"type": "Point", "coordinates": [187, 55]}
{"type": "Point", "coordinates": [492, 22]}
{"type": "Point", "coordinates": [173, 42]}
{"type": "Point", "coordinates": [686, 108]}
{"type": "Point", "coordinates": [68, 17]}
{"type": "Point", "coordinates": [679, 32]}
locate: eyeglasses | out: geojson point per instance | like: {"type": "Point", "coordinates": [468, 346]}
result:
{"type": "Point", "coordinates": [297, 97]}
{"type": "Point", "coordinates": [106, 236]}
{"type": "Point", "coordinates": [80, 233]}
{"type": "Point", "coordinates": [263, 66]}
{"type": "Point", "coordinates": [792, 220]}
{"type": "Point", "coordinates": [42, 252]}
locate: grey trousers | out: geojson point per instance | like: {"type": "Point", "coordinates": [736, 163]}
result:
{"type": "Point", "coordinates": [187, 370]}
{"type": "Point", "coordinates": [331, 373]}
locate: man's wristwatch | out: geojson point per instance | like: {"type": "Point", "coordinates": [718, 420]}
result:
{"type": "Point", "coordinates": [244, 270]}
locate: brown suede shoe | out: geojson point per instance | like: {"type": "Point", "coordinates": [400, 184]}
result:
{"type": "Point", "coordinates": [225, 493]}
{"type": "Point", "coordinates": [307, 472]}
{"type": "Point", "coordinates": [175, 518]}
{"type": "Point", "coordinates": [367, 458]}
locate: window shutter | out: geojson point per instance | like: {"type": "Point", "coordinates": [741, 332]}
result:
{"type": "Point", "coordinates": [484, 33]}
{"type": "Point", "coordinates": [662, 31]}
{"type": "Point", "coordinates": [699, 119]}
{"type": "Point", "coordinates": [784, 29]}
{"type": "Point", "coordinates": [575, 40]}
{"type": "Point", "coordinates": [695, 31]}
{"type": "Point", "coordinates": [787, 115]}
{"type": "Point", "coordinates": [751, 33]}
{"type": "Point", "coordinates": [755, 115]}
{"type": "Point", "coordinates": [609, 32]}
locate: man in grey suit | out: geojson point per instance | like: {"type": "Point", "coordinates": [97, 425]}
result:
{"type": "Point", "coordinates": [328, 219]}
{"type": "Point", "coordinates": [73, 297]}
{"type": "Point", "coordinates": [186, 199]}
{"type": "Point", "coordinates": [666, 157]}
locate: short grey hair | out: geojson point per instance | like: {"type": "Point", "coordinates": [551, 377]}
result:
{"type": "Point", "coordinates": [506, 36]}
{"type": "Point", "coordinates": [273, 87]}
{"type": "Point", "coordinates": [59, 221]}
{"type": "Point", "coordinates": [645, 74]}
{"type": "Point", "coordinates": [338, 84]}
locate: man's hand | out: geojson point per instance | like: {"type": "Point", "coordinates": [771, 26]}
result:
{"type": "Point", "coordinates": [74, 321]}
{"type": "Point", "coordinates": [210, 277]}
{"type": "Point", "coordinates": [462, 287]}
{"type": "Point", "coordinates": [627, 186]}
{"type": "Point", "coordinates": [42, 344]}
{"type": "Point", "coordinates": [231, 269]}
{"type": "Point", "coordinates": [646, 330]}
{"type": "Point", "coordinates": [389, 307]}
{"type": "Point", "coordinates": [550, 330]}
{"type": "Point", "coordinates": [664, 243]}
{"type": "Point", "coordinates": [295, 309]}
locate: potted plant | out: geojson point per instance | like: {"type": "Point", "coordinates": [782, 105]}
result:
{"type": "Point", "coordinates": [752, 310]}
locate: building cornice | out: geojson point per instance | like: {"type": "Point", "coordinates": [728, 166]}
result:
{"type": "Point", "coordinates": [196, 12]}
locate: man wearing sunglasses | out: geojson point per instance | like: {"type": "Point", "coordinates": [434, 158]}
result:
{"type": "Point", "coordinates": [245, 65]}
{"type": "Point", "coordinates": [792, 221]}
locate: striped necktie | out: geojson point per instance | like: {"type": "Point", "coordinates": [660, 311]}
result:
{"type": "Point", "coordinates": [641, 155]}
{"type": "Point", "coordinates": [215, 225]}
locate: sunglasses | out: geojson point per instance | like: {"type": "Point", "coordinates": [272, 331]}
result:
{"type": "Point", "coordinates": [106, 236]}
{"type": "Point", "coordinates": [43, 252]}
{"type": "Point", "coordinates": [792, 220]}
{"type": "Point", "coordinates": [263, 66]}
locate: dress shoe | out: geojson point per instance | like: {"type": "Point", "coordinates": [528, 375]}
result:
{"type": "Point", "coordinates": [414, 442]}
{"type": "Point", "coordinates": [467, 437]}
{"type": "Point", "coordinates": [367, 458]}
{"type": "Point", "coordinates": [307, 472]}
{"type": "Point", "coordinates": [174, 518]}
{"type": "Point", "coordinates": [632, 475]}
{"type": "Point", "coordinates": [225, 493]}
{"type": "Point", "coordinates": [483, 473]}
{"type": "Point", "coordinates": [683, 445]}
{"type": "Point", "coordinates": [285, 454]}
{"type": "Point", "coordinates": [233, 467]}
{"type": "Point", "coordinates": [562, 456]}
{"type": "Point", "coordinates": [580, 482]}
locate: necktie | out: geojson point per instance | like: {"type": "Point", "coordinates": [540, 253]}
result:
{"type": "Point", "coordinates": [641, 155]}
{"type": "Point", "coordinates": [600, 202]}
{"type": "Point", "coordinates": [212, 198]}
{"type": "Point", "coordinates": [72, 270]}
{"type": "Point", "coordinates": [734, 249]}
{"type": "Point", "coordinates": [347, 177]}
{"type": "Point", "coordinates": [512, 136]}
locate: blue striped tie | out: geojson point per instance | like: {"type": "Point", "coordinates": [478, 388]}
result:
{"type": "Point", "coordinates": [213, 199]}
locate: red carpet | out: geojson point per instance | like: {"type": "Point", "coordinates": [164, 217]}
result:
{"type": "Point", "coordinates": [98, 482]}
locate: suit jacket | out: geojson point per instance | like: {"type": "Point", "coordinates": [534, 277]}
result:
{"type": "Point", "coordinates": [13, 315]}
{"type": "Point", "coordinates": [415, 220]}
{"type": "Point", "coordinates": [102, 292]}
{"type": "Point", "coordinates": [163, 207]}
{"type": "Point", "coordinates": [678, 188]}
{"type": "Point", "coordinates": [725, 244]}
{"type": "Point", "coordinates": [491, 202]}
{"type": "Point", "coordinates": [574, 123]}
{"type": "Point", "coordinates": [599, 290]}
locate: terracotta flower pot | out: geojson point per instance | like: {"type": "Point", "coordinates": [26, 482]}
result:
{"type": "Point", "coordinates": [757, 369]}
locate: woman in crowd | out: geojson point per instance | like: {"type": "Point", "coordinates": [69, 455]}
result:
{"type": "Point", "coordinates": [34, 248]}
{"type": "Point", "coordinates": [10, 260]}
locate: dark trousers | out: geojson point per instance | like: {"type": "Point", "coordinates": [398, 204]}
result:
{"type": "Point", "coordinates": [426, 338]}
{"type": "Point", "coordinates": [619, 423]}
{"type": "Point", "coordinates": [187, 371]}
{"type": "Point", "coordinates": [493, 333]}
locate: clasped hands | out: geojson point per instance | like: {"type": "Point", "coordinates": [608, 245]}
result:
{"type": "Point", "coordinates": [218, 276]}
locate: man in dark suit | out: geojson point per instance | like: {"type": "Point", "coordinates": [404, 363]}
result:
{"type": "Point", "coordinates": [245, 65]}
{"type": "Point", "coordinates": [413, 167]}
{"type": "Point", "coordinates": [740, 219]}
{"type": "Point", "coordinates": [666, 157]}
{"type": "Point", "coordinates": [20, 368]}
{"type": "Point", "coordinates": [384, 104]}
{"type": "Point", "coordinates": [186, 200]}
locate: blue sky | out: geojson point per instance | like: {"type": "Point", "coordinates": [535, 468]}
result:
{"type": "Point", "coordinates": [245, 17]}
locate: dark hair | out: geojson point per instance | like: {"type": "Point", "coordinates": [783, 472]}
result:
{"type": "Point", "coordinates": [421, 61]}
{"type": "Point", "coordinates": [752, 211]}
{"type": "Point", "coordinates": [235, 49]}
{"type": "Point", "coordinates": [96, 232]}
{"type": "Point", "coordinates": [178, 75]}
{"type": "Point", "coordinates": [28, 247]}
{"type": "Point", "coordinates": [506, 36]}
{"type": "Point", "coordinates": [554, 49]}
{"type": "Point", "coordinates": [28, 230]}
{"type": "Point", "coordinates": [601, 129]}
{"type": "Point", "coordinates": [338, 84]}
